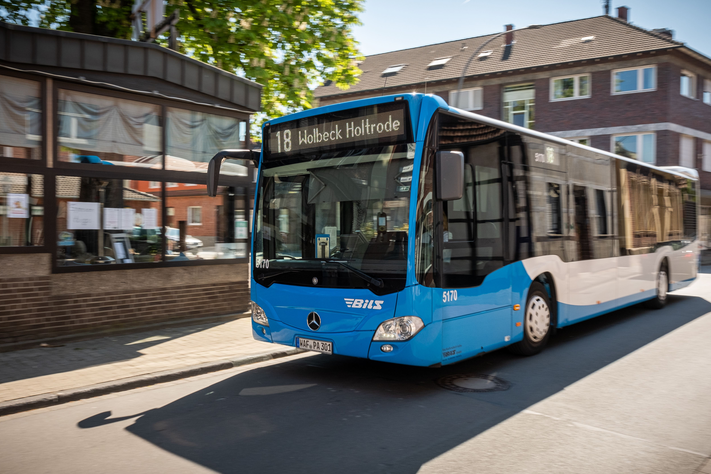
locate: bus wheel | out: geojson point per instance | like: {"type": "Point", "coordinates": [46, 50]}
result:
{"type": "Point", "coordinates": [660, 299]}
{"type": "Point", "coordinates": [537, 322]}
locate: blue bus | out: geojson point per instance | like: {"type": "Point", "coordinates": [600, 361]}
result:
{"type": "Point", "coordinates": [404, 230]}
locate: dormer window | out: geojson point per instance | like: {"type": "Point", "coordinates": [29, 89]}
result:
{"type": "Point", "coordinates": [438, 63]}
{"type": "Point", "coordinates": [393, 69]}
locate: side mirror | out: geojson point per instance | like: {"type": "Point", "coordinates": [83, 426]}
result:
{"type": "Point", "coordinates": [213, 168]}
{"type": "Point", "coordinates": [450, 175]}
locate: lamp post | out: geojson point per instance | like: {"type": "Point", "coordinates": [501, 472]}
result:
{"type": "Point", "coordinates": [471, 58]}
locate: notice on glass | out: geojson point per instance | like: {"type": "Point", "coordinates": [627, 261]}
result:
{"type": "Point", "coordinates": [128, 217]}
{"type": "Point", "coordinates": [150, 218]}
{"type": "Point", "coordinates": [18, 206]}
{"type": "Point", "coordinates": [83, 215]}
{"type": "Point", "coordinates": [111, 218]}
{"type": "Point", "coordinates": [240, 229]}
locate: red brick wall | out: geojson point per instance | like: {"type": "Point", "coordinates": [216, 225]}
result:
{"type": "Point", "coordinates": [29, 310]}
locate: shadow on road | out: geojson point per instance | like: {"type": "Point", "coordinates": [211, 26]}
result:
{"type": "Point", "coordinates": [335, 414]}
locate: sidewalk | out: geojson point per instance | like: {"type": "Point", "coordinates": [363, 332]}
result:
{"type": "Point", "coordinates": [45, 376]}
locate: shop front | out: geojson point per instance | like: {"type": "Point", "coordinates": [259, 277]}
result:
{"type": "Point", "coordinates": [105, 221]}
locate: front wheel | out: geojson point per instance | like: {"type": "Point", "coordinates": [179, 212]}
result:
{"type": "Point", "coordinates": [660, 299]}
{"type": "Point", "coordinates": [537, 322]}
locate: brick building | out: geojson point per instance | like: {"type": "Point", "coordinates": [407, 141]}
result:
{"type": "Point", "coordinates": [104, 145]}
{"type": "Point", "coordinates": [601, 81]}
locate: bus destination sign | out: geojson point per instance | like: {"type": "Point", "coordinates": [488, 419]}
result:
{"type": "Point", "coordinates": [381, 124]}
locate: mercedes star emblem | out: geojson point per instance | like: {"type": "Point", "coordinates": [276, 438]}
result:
{"type": "Point", "coordinates": [314, 280]}
{"type": "Point", "coordinates": [313, 321]}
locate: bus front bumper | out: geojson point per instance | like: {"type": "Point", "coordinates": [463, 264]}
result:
{"type": "Point", "coordinates": [422, 350]}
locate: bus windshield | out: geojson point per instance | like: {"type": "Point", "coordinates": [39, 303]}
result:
{"type": "Point", "coordinates": [335, 220]}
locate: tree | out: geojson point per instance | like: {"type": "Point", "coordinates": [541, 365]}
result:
{"type": "Point", "coordinates": [288, 46]}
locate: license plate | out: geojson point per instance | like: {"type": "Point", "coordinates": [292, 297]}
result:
{"type": "Point", "coordinates": [311, 345]}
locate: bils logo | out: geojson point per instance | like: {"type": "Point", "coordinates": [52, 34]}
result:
{"type": "Point", "coordinates": [364, 304]}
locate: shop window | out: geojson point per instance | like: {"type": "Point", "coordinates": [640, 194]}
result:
{"type": "Point", "coordinates": [707, 92]}
{"type": "Point", "coordinates": [20, 118]}
{"type": "Point", "coordinates": [193, 138]}
{"type": "Point", "coordinates": [213, 227]}
{"type": "Point", "coordinates": [638, 146]}
{"type": "Point", "coordinates": [106, 222]}
{"type": "Point", "coordinates": [107, 130]}
{"type": "Point", "coordinates": [640, 79]}
{"type": "Point", "coordinates": [571, 87]}
{"type": "Point", "coordinates": [21, 210]}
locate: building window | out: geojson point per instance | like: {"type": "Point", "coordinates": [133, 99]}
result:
{"type": "Point", "coordinates": [468, 99]}
{"type": "Point", "coordinates": [707, 92]}
{"type": "Point", "coordinates": [20, 118]}
{"type": "Point", "coordinates": [582, 140]}
{"type": "Point", "coordinates": [706, 163]}
{"type": "Point", "coordinates": [154, 185]}
{"type": "Point", "coordinates": [21, 210]}
{"type": "Point", "coordinates": [571, 87]}
{"type": "Point", "coordinates": [601, 205]}
{"type": "Point", "coordinates": [638, 146]}
{"type": "Point", "coordinates": [686, 152]}
{"type": "Point", "coordinates": [194, 215]}
{"type": "Point", "coordinates": [639, 79]}
{"type": "Point", "coordinates": [555, 214]}
{"type": "Point", "coordinates": [519, 105]}
{"type": "Point", "coordinates": [688, 84]}
{"type": "Point", "coordinates": [101, 129]}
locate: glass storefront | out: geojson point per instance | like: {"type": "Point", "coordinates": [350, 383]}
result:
{"type": "Point", "coordinates": [21, 210]}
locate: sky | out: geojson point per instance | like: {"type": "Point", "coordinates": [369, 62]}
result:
{"type": "Point", "coordinates": [389, 25]}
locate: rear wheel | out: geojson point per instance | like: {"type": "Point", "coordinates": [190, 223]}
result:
{"type": "Point", "coordinates": [537, 322]}
{"type": "Point", "coordinates": [662, 287]}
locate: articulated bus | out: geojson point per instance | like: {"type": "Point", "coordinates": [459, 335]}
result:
{"type": "Point", "coordinates": [403, 230]}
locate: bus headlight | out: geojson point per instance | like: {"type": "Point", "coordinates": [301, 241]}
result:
{"type": "Point", "coordinates": [398, 329]}
{"type": "Point", "coordinates": [258, 315]}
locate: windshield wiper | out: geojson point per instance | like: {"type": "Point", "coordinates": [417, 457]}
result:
{"type": "Point", "coordinates": [373, 281]}
{"type": "Point", "coordinates": [263, 277]}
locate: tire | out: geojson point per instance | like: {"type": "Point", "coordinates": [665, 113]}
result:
{"type": "Point", "coordinates": [537, 327]}
{"type": "Point", "coordinates": [662, 288]}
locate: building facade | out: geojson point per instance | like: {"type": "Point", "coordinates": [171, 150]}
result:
{"type": "Point", "coordinates": [105, 221]}
{"type": "Point", "coordinates": [600, 81]}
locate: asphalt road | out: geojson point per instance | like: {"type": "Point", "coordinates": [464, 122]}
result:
{"type": "Point", "coordinates": [626, 392]}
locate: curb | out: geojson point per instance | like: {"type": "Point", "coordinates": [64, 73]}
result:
{"type": "Point", "coordinates": [64, 396]}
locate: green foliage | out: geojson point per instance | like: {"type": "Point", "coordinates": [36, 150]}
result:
{"type": "Point", "coordinates": [288, 46]}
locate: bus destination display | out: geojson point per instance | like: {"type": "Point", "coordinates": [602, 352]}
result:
{"type": "Point", "coordinates": [352, 128]}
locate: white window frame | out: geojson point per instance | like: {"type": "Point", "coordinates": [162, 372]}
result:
{"type": "Point", "coordinates": [171, 185]}
{"type": "Point", "coordinates": [73, 125]}
{"type": "Point", "coordinates": [640, 80]}
{"type": "Point", "coordinates": [692, 141]}
{"type": "Point", "coordinates": [692, 84]}
{"type": "Point", "coordinates": [577, 140]}
{"type": "Point", "coordinates": [706, 160]}
{"type": "Point", "coordinates": [706, 93]}
{"type": "Point", "coordinates": [190, 220]}
{"type": "Point", "coordinates": [639, 144]}
{"type": "Point", "coordinates": [471, 98]}
{"type": "Point", "coordinates": [154, 184]}
{"type": "Point", "coordinates": [576, 87]}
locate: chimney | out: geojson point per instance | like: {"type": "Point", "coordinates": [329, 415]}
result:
{"type": "Point", "coordinates": [623, 13]}
{"type": "Point", "coordinates": [509, 36]}
{"type": "Point", "coordinates": [665, 32]}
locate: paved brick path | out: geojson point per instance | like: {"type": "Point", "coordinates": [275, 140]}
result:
{"type": "Point", "coordinates": [78, 364]}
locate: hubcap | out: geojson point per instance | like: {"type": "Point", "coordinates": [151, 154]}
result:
{"type": "Point", "coordinates": [538, 319]}
{"type": "Point", "coordinates": [662, 285]}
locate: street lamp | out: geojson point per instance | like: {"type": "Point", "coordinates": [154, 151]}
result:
{"type": "Point", "coordinates": [471, 58]}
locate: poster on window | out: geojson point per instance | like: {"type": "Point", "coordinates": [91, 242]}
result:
{"type": "Point", "coordinates": [111, 218]}
{"type": "Point", "coordinates": [18, 206]}
{"type": "Point", "coordinates": [150, 218]}
{"type": "Point", "coordinates": [128, 218]}
{"type": "Point", "coordinates": [240, 229]}
{"type": "Point", "coordinates": [83, 215]}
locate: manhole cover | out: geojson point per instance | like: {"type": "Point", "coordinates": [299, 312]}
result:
{"type": "Point", "coordinates": [473, 383]}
